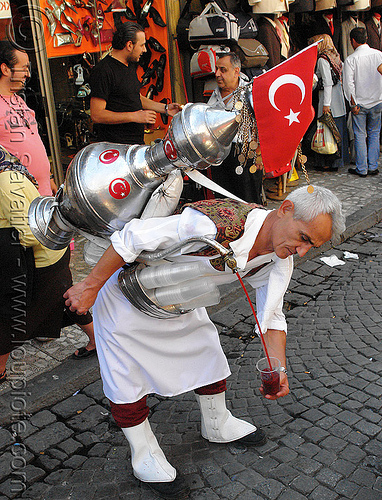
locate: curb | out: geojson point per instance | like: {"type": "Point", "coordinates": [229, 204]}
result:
{"type": "Point", "coordinates": [72, 375]}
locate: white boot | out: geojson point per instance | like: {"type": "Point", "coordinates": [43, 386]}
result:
{"type": "Point", "coordinates": [218, 424]}
{"type": "Point", "coordinates": [148, 460]}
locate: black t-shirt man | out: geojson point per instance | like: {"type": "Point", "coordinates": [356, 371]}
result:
{"type": "Point", "coordinates": [119, 86]}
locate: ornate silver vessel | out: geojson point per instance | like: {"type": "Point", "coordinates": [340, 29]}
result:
{"type": "Point", "coordinates": [109, 184]}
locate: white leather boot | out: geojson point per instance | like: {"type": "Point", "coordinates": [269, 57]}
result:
{"type": "Point", "coordinates": [148, 460]}
{"type": "Point", "coordinates": [219, 425]}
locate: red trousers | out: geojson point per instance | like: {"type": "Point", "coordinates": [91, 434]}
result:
{"type": "Point", "coordinates": [132, 414]}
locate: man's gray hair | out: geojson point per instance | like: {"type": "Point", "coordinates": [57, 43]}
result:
{"type": "Point", "coordinates": [307, 206]}
{"type": "Point", "coordinates": [233, 58]}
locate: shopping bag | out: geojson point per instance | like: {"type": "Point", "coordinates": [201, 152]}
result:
{"type": "Point", "coordinates": [323, 141]}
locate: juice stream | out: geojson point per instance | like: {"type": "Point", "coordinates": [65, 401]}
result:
{"type": "Point", "coordinates": [257, 322]}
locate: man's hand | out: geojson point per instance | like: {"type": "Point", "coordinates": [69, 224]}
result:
{"type": "Point", "coordinates": [355, 109]}
{"type": "Point", "coordinates": [326, 109]}
{"type": "Point", "coordinates": [173, 108]}
{"type": "Point", "coordinates": [145, 116]}
{"type": "Point", "coordinates": [80, 297]}
{"type": "Point", "coordinates": [284, 388]}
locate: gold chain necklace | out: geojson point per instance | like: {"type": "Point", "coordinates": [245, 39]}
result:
{"type": "Point", "coordinates": [20, 112]}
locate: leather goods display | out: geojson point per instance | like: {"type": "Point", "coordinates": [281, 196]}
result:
{"type": "Point", "coordinates": [213, 25]}
{"type": "Point", "coordinates": [155, 45]}
{"type": "Point", "coordinates": [203, 62]}
{"type": "Point", "coordinates": [251, 52]}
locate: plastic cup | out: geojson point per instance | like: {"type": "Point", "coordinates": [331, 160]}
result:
{"type": "Point", "coordinates": [270, 377]}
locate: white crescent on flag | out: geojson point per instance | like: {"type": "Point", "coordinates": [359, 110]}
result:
{"type": "Point", "coordinates": [283, 80]}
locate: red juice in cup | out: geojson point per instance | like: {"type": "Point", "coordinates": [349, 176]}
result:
{"type": "Point", "coordinates": [270, 375]}
{"type": "Point", "coordinates": [271, 381]}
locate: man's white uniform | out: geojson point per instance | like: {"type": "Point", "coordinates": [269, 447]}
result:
{"type": "Point", "coordinates": [139, 354]}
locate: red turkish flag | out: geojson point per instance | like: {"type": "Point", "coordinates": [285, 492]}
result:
{"type": "Point", "coordinates": [282, 100]}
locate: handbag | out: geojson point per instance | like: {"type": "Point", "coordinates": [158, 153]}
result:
{"type": "Point", "coordinates": [323, 141]}
{"type": "Point", "coordinates": [203, 62]}
{"type": "Point", "coordinates": [183, 26]}
{"type": "Point", "coordinates": [251, 52]}
{"type": "Point", "coordinates": [247, 25]}
{"type": "Point", "coordinates": [213, 25]}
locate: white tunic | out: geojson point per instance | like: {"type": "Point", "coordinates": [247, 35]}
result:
{"type": "Point", "coordinates": [138, 354]}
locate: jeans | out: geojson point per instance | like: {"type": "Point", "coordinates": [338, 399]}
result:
{"type": "Point", "coordinates": [367, 127]}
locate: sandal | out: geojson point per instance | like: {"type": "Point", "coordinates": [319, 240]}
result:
{"type": "Point", "coordinates": [84, 353]}
{"type": "Point", "coordinates": [3, 377]}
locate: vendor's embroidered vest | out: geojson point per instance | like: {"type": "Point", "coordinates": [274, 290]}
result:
{"type": "Point", "coordinates": [229, 217]}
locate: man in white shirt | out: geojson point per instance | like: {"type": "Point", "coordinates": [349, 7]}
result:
{"type": "Point", "coordinates": [362, 82]}
{"type": "Point", "coordinates": [140, 354]}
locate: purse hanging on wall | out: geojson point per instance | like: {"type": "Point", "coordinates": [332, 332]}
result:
{"type": "Point", "coordinates": [213, 25]}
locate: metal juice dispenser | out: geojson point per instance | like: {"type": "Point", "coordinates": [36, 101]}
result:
{"type": "Point", "coordinates": [109, 184]}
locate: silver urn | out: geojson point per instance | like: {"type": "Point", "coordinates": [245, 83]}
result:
{"type": "Point", "coordinates": [108, 184]}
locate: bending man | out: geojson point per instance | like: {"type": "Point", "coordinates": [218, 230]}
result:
{"type": "Point", "coordinates": [140, 355]}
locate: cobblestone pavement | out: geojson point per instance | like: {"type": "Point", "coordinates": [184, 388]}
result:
{"type": "Point", "coordinates": [325, 439]}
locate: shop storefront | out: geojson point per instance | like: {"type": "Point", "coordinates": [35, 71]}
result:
{"type": "Point", "coordinates": [66, 38]}
{"type": "Point", "coordinates": [64, 41]}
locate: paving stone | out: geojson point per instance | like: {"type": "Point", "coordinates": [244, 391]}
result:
{"type": "Point", "coordinates": [72, 406]}
{"type": "Point", "coordinates": [291, 495]}
{"type": "Point", "coordinates": [353, 454]}
{"type": "Point", "coordinates": [42, 418]}
{"type": "Point", "coordinates": [50, 435]}
{"type": "Point", "coordinates": [363, 477]}
{"type": "Point", "coordinates": [58, 477]}
{"type": "Point", "coordinates": [347, 488]}
{"type": "Point", "coordinates": [87, 438]}
{"type": "Point", "coordinates": [328, 477]}
{"type": "Point", "coordinates": [306, 465]}
{"type": "Point", "coordinates": [95, 391]}
{"type": "Point", "coordinates": [343, 467]}
{"type": "Point", "coordinates": [284, 454]}
{"type": "Point", "coordinates": [368, 494]}
{"type": "Point", "coordinates": [230, 491]}
{"type": "Point", "coordinates": [304, 484]}
{"type": "Point", "coordinates": [70, 446]}
{"type": "Point", "coordinates": [33, 473]}
{"type": "Point", "coordinates": [47, 463]}
{"type": "Point", "coordinates": [315, 434]}
{"type": "Point", "coordinates": [13, 487]}
{"type": "Point", "coordinates": [333, 443]}
{"type": "Point", "coordinates": [249, 478]}
{"type": "Point", "coordinates": [36, 491]}
{"type": "Point", "coordinates": [59, 492]}
{"type": "Point", "coordinates": [284, 473]}
{"type": "Point", "coordinates": [6, 439]}
{"type": "Point", "coordinates": [308, 449]}
{"type": "Point", "coordinates": [57, 454]}
{"type": "Point", "coordinates": [323, 493]}
{"type": "Point", "coordinates": [368, 428]}
{"type": "Point", "coordinates": [89, 418]}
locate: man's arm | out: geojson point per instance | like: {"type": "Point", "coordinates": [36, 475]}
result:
{"type": "Point", "coordinates": [82, 296]}
{"type": "Point", "coordinates": [136, 236]}
{"type": "Point", "coordinates": [159, 107]}
{"type": "Point", "coordinates": [99, 114]}
{"type": "Point", "coordinates": [380, 69]}
{"type": "Point", "coordinates": [349, 86]}
{"type": "Point", "coordinates": [275, 341]}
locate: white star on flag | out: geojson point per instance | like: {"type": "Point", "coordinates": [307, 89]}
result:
{"type": "Point", "coordinates": [292, 117]}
